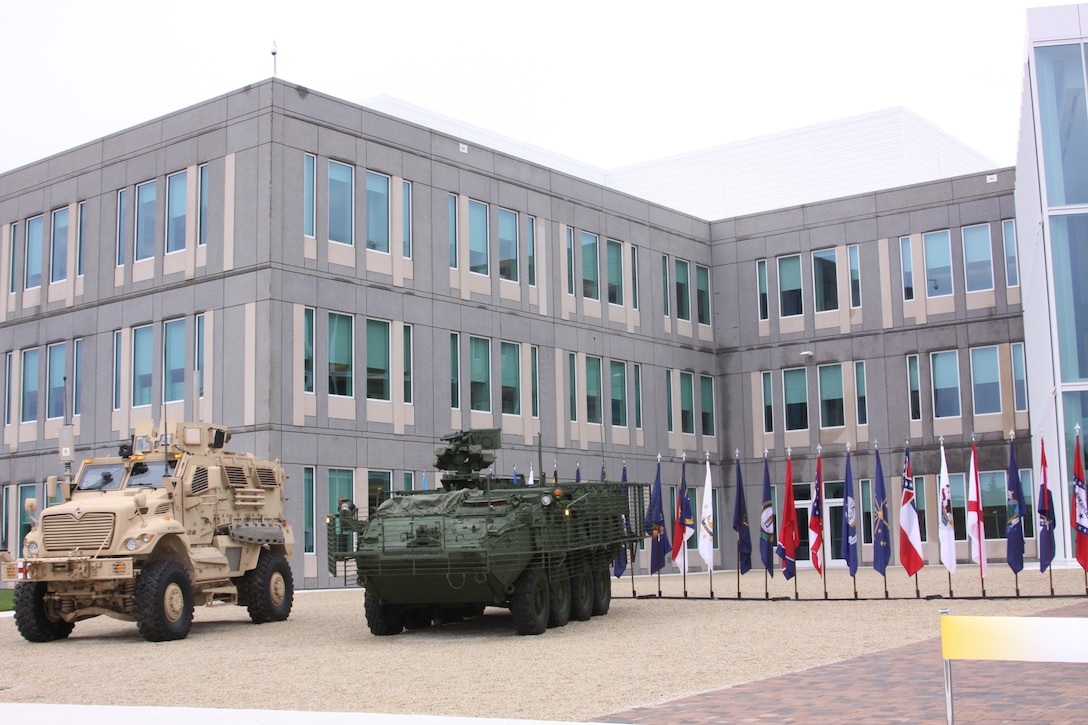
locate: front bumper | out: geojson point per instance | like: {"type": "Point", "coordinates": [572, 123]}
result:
{"type": "Point", "coordinates": [68, 568]}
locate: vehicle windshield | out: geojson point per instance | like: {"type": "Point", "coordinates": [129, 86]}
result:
{"type": "Point", "coordinates": [101, 477]}
{"type": "Point", "coordinates": [147, 474]}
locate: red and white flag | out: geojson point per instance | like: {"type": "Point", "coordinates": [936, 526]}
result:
{"type": "Point", "coordinates": [816, 519]}
{"type": "Point", "coordinates": [910, 533]}
{"type": "Point", "coordinates": [1080, 508]}
{"type": "Point", "coordinates": [976, 536]}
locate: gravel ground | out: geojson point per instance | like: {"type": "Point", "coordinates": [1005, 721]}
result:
{"type": "Point", "coordinates": [645, 651]}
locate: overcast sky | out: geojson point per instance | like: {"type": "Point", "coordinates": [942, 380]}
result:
{"type": "Point", "coordinates": [607, 83]}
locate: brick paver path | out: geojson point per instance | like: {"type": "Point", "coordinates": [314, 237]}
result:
{"type": "Point", "coordinates": [901, 685]}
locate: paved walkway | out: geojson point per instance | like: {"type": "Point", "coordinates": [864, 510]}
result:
{"type": "Point", "coordinates": [900, 685]}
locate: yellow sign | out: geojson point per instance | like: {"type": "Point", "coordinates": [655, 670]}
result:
{"type": "Point", "coordinates": [1019, 639]}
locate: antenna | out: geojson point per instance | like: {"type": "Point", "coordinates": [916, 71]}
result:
{"type": "Point", "coordinates": [273, 59]}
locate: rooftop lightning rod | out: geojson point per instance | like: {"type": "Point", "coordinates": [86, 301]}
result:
{"type": "Point", "coordinates": [273, 59]}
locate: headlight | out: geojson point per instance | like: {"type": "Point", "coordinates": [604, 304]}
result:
{"type": "Point", "coordinates": [130, 544]}
{"type": "Point", "coordinates": [32, 547]}
{"type": "Point", "coordinates": [545, 499]}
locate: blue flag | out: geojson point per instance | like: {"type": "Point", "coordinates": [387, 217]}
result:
{"type": "Point", "coordinates": [740, 525]}
{"type": "Point", "coordinates": [848, 548]}
{"type": "Point", "coordinates": [655, 526]}
{"type": "Point", "coordinates": [1047, 518]}
{"type": "Point", "coordinates": [516, 476]}
{"type": "Point", "coordinates": [620, 564]}
{"type": "Point", "coordinates": [577, 472]}
{"type": "Point", "coordinates": [767, 533]}
{"type": "Point", "coordinates": [882, 540]}
{"type": "Point", "coordinates": [1014, 514]}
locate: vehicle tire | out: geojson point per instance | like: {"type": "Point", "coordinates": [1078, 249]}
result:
{"type": "Point", "coordinates": [418, 618]}
{"type": "Point", "coordinates": [602, 591]}
{"type": "Point", "coordinates": [559, 599]}
{"type": "Point", "coordinates": [581, 593]}
{"type": "Point", "coordinates": [31, 617]}
{"type": "Point", "coordinates": [383, 619]}
{"type": "Point", "coordinates": [268, 590]}
{"type": "Point", "coordinates": [164, 602]}
{"type": "Point", "coordinates": [529, 604]}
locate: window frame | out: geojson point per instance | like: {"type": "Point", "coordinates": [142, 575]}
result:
{"type": "Point", "coordinates": [170, 335]}
{"type": "Point", "coordinates": [687, 407]}
{"type": "Point", "coordinates": [202, 205]}
{"type": "Point", "coordinates": [594, 383]}
{"type": "Point", "coordinates": [55, 362]}
{"type": "Point", "coordinates": [146, 366]}
{"type": "Point", "coordinates": [30, 386]}
{"type": "Point", "coordinates": [591, 266]}
{"type": "Point", "coordinates": [975, 365]}
{"type": "Point", "coordinates": [617, 393]}
{"type": "Point", "coordinates": [933, 286]}
{"type": "Point", "coordinates": [379, 380]}
{"type": "Point", "coordinates": [796, 293]}
{"type": "Point", "coordinates": [455, 371]}
{"type": "Point", "coordinates": [826, 404]}
{"type": "Point", "coordinates": [120, 235]}
{"type": "Point", "coordinates": [337, 217]}
{"type": "Point", "coordinates": [914, 387]}
{"type": "Point", "coordinates": [33, 234]}
{"type": "Point", "coordinates": [973, 244]}
{"type": "Point", "coordinates": [614, 262]}
{"type": "Point", "coordinates": [347, 373]}
{"type": "Point", "coordinates": [476, 386]}
{"type": "Point", "coordinates": [707, 406]}
{"type": "Point", "coordinates": [1019, 379]}
{"type": "Point", "coordinates": [475, 253]}
{"type": "Point", "coordinates": [702, 295]}
{"type": "Point", "coordinates": [509, 249]}
{"type": "Point", "coordinates": [804, 413]}
{"type": "Point", "coordinates": [309, 196]}
{"type": "Point", "coordinates": [406, 218]}
{"type": "Point", "coordinates": [762, 294]}
{"type": "Point", "coordinates": [144, 229]}
{"type": "Point", "coordinates": [683, 289]}
{"type": "Point", "coordinates": [510, 377]}
{"type": "Point", "coordinates": [933, 359]}
{"type": "Point", "coordinates": [174, 238]}
{"type": "Point", "coordinates": [768, 401]}
{"type": "Point", "coordinates": [1012, 272]}
{"type": "Point", "coordinates": [853, 256]}
{"type": "Point", "coordinates": [58, 245]}
{"type": "Point", "coordinates": [861, 394]}
{"type": "Point", "coordinates": [379, 212]}
{"type": "Point", "coordinates": [825, 286]}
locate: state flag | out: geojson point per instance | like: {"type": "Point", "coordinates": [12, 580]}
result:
{"type": "Point", "coordinates": [976, 535]}
{"type": "Point", "coordinates": [848, 547]}
{"type": "Point", "coordinates": [788, 536]}
{"type": "Point", "coordinates": [946, 526]}
{"type": "Point", "coordinates": [816, 519]}
{"type": "Point", "coordinates": [910, 534]}
{"type": "Point", "coordinates": [1047, 518]}
{"type": "Point", "coordinates": [655, 525]}
{"type": "Point", "coordinates": [706, 523]}
{"type": "Point", "coordinates": [1080, 508]}
{"type": "Point", "coordinates": [767, 524]}
{"type": "Point", "coordinates": [882, 540]}
{"type": "Point", "coordinates": [1015, 508]}
{"type": "Point", "coordinates": [684, 525]}
{"type": "Point", "coordinates": [740, 525]}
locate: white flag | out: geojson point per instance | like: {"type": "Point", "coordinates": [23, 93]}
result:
{"type": "Point", "coordinates": [532, 478]}
{"type": "Point", "coordinates": [976, 536]}
{"type": "Point", "coordinates": [706, 524]}
{"type": "Point", "coordinates": [947, 527]}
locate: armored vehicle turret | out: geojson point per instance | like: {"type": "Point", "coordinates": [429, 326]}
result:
{"type": "Point", "coordinates": [172, 521]}
{"type": "Point", "coordinates": [541, 550]}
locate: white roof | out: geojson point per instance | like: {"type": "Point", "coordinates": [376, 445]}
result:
{"type": "Point", "coordinates": [873, 151]}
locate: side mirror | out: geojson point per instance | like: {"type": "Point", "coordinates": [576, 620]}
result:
{"type": "Point", "coordinates": [51, 488]}
{"type": "Point", "coordinates": [140, 501]}
{"type": "Point", "coordinates": [31, 505]}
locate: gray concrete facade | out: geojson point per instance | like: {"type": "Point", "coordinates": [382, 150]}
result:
{"type": "Point", "coordinates": [247, 273]}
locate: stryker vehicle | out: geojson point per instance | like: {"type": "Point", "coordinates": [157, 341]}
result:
{"type": "Point", "coordinates": [541, 550]}
{"type": "Point", "coordinates": [170, 522]}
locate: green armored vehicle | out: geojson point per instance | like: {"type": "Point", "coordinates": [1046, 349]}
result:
{"type": "Point", "coordinates": [541, 550]}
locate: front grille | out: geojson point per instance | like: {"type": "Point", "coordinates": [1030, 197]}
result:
{"type": "Point", "coordinates": [266, 477]}
{"type": "Point", "coordinates": [236, 475]}
{"type": "Point", "coordinates": [64, 532]}
{"type": "Point", "coordinates": [200, 480]}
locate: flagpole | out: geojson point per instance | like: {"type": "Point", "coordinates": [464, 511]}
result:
{"type": "Point", "coordinates": [823, 547]}
{"type": "Point", "coordinates": [917, 591]}
{"type": "Point", "coordinates": [631, 558]}
{"type": "Point", "coordinates": [738, 566]}
{"type": "Point", "coordinates": [978, 518]}
{"type": "Point", "coordinates": [950, 595]}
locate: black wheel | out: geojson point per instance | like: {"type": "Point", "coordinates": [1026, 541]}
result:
{"type": "Point", "coordinates": [268, 590]}
{"type": "Point", "coordinates": [581, 593]}
{"type": "Point", "coordinates": [164, 602]}
{"type": "Point", "coordinates": [529, 604]}
{"type": "Point", "coordinates": [602, 591]}
{"type": "Point", "coordinates": [383, 619]}
{"type": "Point", "coordinates": [419, 618]}
{"type": "Point", "coordinates": [33, 619]}
{"type": "Point", "coordinates": [559, 599]}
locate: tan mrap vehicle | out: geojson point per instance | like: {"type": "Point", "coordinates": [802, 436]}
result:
{"type": "Point", "coordinates": [170, 522]}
